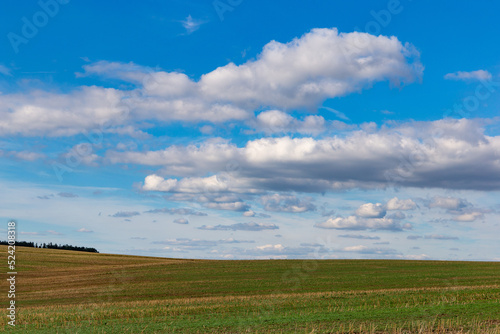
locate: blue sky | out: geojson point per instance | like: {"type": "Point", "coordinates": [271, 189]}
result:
{"type": "Point", "coordinates": [249, 129]}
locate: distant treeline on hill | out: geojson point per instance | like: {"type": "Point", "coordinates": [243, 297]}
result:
{"type": "Point", "coordinates": [50, 245]}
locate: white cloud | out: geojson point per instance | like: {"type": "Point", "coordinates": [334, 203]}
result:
{"type": "Point", "coordinates": [177, 211]}
{"type": "Point", "coordinates": [212, 155]}
{"type": "Point", "coordinates": [406, 155]}
{"type": "Point", "coordinates": [212, 200]}
{"type": "Point", "coordinates": [450, 203]}
{"type": "Point", "coordinates": [241, 227]}
{"type": "Point", "coordinates": [396, 215]}
{"type": "Point", "coordinates": [359, 236]}
{"type": "Point", "coordinates": [370, 210]}
{"type": "Point", "coordinates": [440, 237]}
{"type": "Point", "coordinates": [181, 221]}
{"type": "Point", "coordinates": [191, 25]}
{"type": "Point", "coordinates": [52, 232]}
{"type": "Point", "coordinates": [276, 121]}
{"type": "Point", "coordinates": [300, 74]}
{"type": "Point", "coordinates": [67, 195]}
{"type": "Point", "coordinates": [369, 250]}
{"type": "Point", "coordinates": [417, 257]}
{"type": "Point", "coordinates": [356, 223]}
{"type": "Point", "coordinates": [82, 154]}
{"type": "Point", "coordinates": [52, 114]}
{"type": "Point", "coordinates": [400, 204]}
{"type": "Point", "coordinates": [249, 213]}
{"type": "Point", "coordinates": [467, 76]}
{"type": "Point", "coordinates": [469, 217]}
{"type": "Point", "coordinates": [281, 251]}
{"type": "Point", "coordinates": [337, 113]}
{"type": "Point", "coordinates": [230, 206]}
{"type": "Point", "coordinates": [183, 244]}
{"type": "Point", "coordinates": [277, 247]}
{"type": "Point", "coordinates": [84, 230]}
{"type": "Point", "coordinates": [287, 203]}
{"type": "Point", "coordinates": [207, 129]}
{"type": "Point", "coordinates": [320, 64]}
{"type": "Point", "coordinates": [158, 183]}
{"type": "Point", "coordinates": [125, 214]}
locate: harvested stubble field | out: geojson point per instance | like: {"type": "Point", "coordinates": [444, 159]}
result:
{"type": "Point", "coordinates": [74, 292]}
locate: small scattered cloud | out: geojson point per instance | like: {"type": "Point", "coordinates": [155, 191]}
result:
{"type": "Point", "coordinates": [229, 206]}
{"type": "Point", "coordinates": [468, 217]}
{"type": "Point", "coordinates": [469, 76]}
{"type": "Point", "coordinates": [280, 251]}
{"type": "Point", "coordinates": [241, 227]}
{"type": "Point", "coordinates": [370, 210]}
{"type": "Point", "coordinates": [440, 237]}
{"type": "Point", "coordinates": [359, 236]}
{"type": "Point", "coordinates": [84, 152]}
{"type": "Point", "coordinates": [449, 203]}
{"type": "Point", "coordinates": [84, 230]}
{"type": "Point", "coordinates": [186, 244]}
{"type": "Point", "coordinates": [251, 213]}
{"type": "Point", "coordinates": [416, 257]}
{"type": "Point", "coordinates": [178, 211]}
{"type": "Point", "coordinates": [234, 241]}
{"type": "Point", "coordinates": [181, 221]}
{"type": "Point", "coordinates": [191, 25]}
{"type": "Point", "coordinates": [54, 232]}
{"type": "Point", "coordinates": [337, 113]}
{"type": "Point", "coordinates": [67, 195]}
{"type": "Point", "coordinates": [287, 203]}
{"type": "Point", "coordinates": [138, 238]}
{"type": "Point", "coordinates": [277, 121]}
{"type": "Point", "coordinates": [125, 214]}
{"type": "Point", "coordinates": [207, 129]}
{"type": "Point", "coordinates": [357, 223]}
{"type": "Point", "coordinates": [432, 236]}
{"type": "Point", "coordinates": [369, 250]}
{"type": "Point", "coordinates": [396, 215]}
{"type": "Point", "coordinates": [46, 197]}
{"type": "Point", "coordinates": [400, 204]}
{"type": "Point", "coordinates": [31, 233]}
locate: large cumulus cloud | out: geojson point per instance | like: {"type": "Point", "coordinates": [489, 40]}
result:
{"type": "Point", "coordinates": [300, 74]}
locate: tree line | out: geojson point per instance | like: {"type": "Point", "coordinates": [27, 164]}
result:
{"type": "Point", "coordinates": [50, 245]}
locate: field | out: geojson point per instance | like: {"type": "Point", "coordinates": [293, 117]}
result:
{"type": "Point", "coordinates": [75, 292]}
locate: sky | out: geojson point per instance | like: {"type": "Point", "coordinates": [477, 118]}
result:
{"type": "Point", "coordinates": [236, 129]}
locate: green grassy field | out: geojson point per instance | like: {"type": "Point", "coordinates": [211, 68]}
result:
{"type": "Point", "coordinates": [74, 292]}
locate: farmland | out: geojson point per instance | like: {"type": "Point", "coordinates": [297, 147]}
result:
{"type": "Point", "coordinates": [74, 292]}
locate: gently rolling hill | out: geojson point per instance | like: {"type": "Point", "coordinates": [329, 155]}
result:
{"type": "Point", "coordinates": [61, 291]}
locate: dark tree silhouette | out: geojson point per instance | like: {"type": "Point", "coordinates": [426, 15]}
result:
{"type": "Point", "coordinates": [50, 245]}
